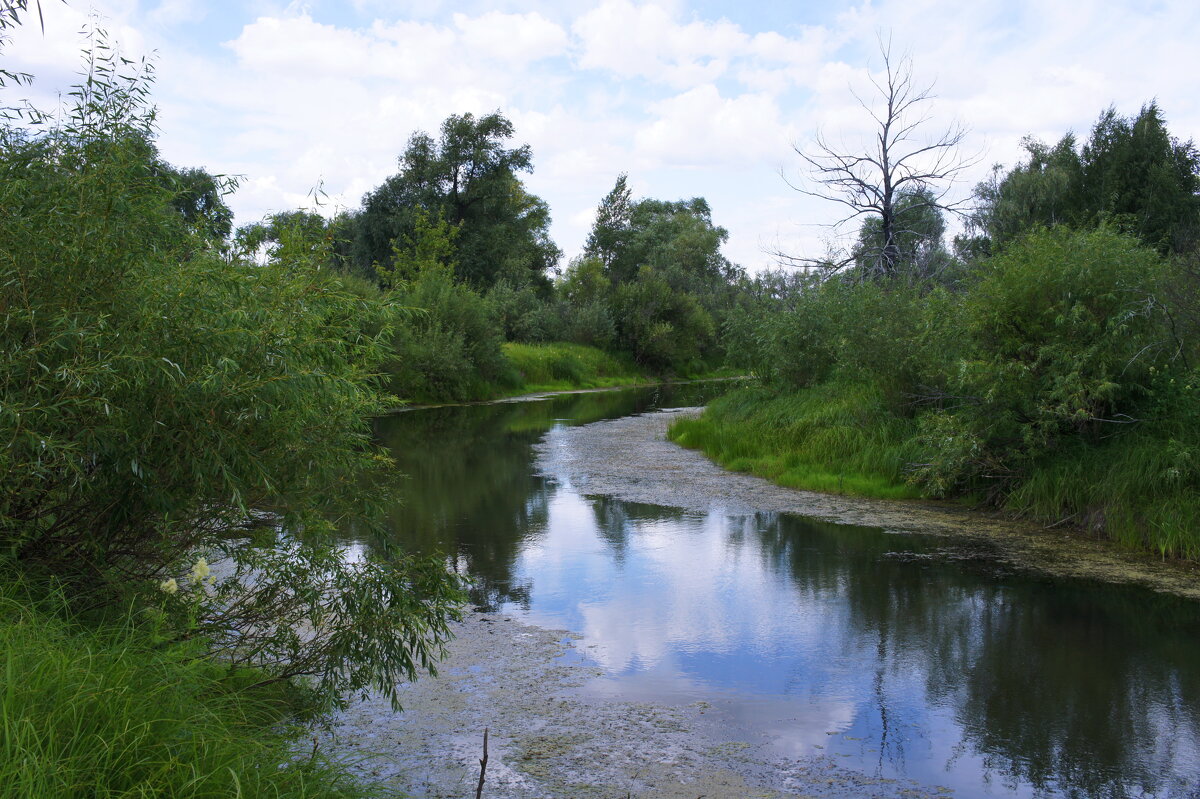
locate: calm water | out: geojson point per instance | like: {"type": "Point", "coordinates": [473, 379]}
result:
{"type": "Point", "coordinates": [827, 639]}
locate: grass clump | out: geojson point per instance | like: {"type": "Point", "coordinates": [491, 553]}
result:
{"type": "Point", "coordinates": [559, 366]}
{"type": "Point", "coordinates": [835, 437]}
{"type": "Point", "coordinates": [102, 711]}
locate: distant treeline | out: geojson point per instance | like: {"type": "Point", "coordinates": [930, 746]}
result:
{"type": "Point", "coordinates": [455, 236]}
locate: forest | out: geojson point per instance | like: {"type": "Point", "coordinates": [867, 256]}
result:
{"type": "Point", "coordinates": [187, 406]}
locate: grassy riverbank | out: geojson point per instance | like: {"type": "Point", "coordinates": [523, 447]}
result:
{"type": "Point", "coordinates": [562, 366]}
{"type": "Point", "coordinates": [93, 710]}
{"type": "Point", "coordinates": [553, 366]}
{"type": "Point", "coordinates": [843, 439]}
{"type": "Point", "coordinates": [826, 439]}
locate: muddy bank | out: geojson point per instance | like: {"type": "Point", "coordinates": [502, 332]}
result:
{"type": "Point", "coordinates": [630, 458]}
{"type": "Point", "coordinates": [550, 736]}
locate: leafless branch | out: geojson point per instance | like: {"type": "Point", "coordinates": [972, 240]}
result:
{"type": "Point", "coordinates": [897, 164]}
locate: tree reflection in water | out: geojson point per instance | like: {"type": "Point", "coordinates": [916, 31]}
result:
{"type": "Point", "coordinates": [950, 667]}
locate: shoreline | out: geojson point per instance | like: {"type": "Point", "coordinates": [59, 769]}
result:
{"type": "Point", "coordinates": [558, 727]}
{"type": "Point", "coordinates": [665, 473]}
{"type": "Point", "coordinates": [538, 396]}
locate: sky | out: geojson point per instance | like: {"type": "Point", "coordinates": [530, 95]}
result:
{"type": "Point", "coordinates": [709, 98]}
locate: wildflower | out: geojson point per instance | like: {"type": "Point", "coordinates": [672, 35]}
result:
{"type": "Point", "coordinates": [201, 572]}
{"type": "Point", "coordinates": [168, 586]}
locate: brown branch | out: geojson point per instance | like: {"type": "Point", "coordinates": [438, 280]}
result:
{"type": "Point", "coordinates": [483, 761]}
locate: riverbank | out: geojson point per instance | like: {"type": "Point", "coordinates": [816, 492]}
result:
{"type": "Point", "coordinates": [1135, 487]}
{"type": "Point", "coordinates": [543, 394]}
{"type": "Point", "coordinates": [631, 459]}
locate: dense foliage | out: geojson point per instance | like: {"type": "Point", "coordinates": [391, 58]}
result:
{"type": "Point", "coordinates": [167, 405]}
{"type": "Point", "coordinates": [1047, 367]}
{"type": "Point", "coordinates": [469, 178]}
{"type": "Point", "coordinates": [1131, 174]}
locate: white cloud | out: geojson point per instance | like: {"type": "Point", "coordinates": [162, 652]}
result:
{"type": "Point", "coordinates": [689, 103]}
{"type": "Point", "coordinates": [516, 38]}
{"type": "Point", "coordinates": [700, 128]}
{"type": "Point", "coordinates": [645, 41]}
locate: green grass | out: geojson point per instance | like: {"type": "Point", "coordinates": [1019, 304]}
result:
{"type": "Point", "coordinates": [833, 438]}
{"type": "Point", "coordinates": [560, 366]}
{"type": "Point", "coordinates": [1138, 489]}
{"type": "Point", "coordinates": [103, 713]}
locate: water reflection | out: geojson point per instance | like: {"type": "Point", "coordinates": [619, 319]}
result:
{"type": "Point", "coordinates": [893, 653]}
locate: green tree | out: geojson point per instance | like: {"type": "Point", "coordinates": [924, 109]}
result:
{"type": "Point", "coordinates": [468, 177]}
{"type": "Point", "coordinates": [614, 218]}
{"type": "Point", "coordinates": [677, 239]}
{"type": "Point", "coordinates": [1130, 173]}
{"type": "Point", "coordinates": [199, 198]}
{"type": "Point", "coordinates": [165, 405]}
{"type": "Point", "coordinates": [917, 241]}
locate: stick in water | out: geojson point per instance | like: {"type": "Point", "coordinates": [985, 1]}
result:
{"type": "Point", "coordinates": [482, 766]}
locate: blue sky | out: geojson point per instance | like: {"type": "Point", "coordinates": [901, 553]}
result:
{"type": "Point", "coordinates": [702, 98]}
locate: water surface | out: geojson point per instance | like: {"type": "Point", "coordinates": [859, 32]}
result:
{"type": "Point", "coordinates": [818, 639]}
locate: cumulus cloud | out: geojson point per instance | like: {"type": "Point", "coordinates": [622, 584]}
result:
{"type": "Point", "coordinates": [700, 128]}
{"type": "Point", "coordinates": [688, 102]}
{"type": "Point", "coordinates": [644, 41]}
{"type": "Point", "coordinates": [515, 38]}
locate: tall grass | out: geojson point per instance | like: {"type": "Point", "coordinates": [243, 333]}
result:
{"type": "Point", "coordinates": [1138, 489]}
{"type": "Point", "coordinates": [560, 365]}
{"type": "Point", "coordinates": [838, 438]}
{"type": "Point", "coordinates": [1135, 489]}
{"type": "Point", "coordinates": [103, 713]}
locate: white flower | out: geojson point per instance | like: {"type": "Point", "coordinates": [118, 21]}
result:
{"type": "Point", "coordinates": [168, 586]}
{"type": "Point", "coordinates": [201, 572]}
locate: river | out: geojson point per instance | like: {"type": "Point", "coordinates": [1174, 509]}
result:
{"type": "Point", "coordinates": [801, 656]}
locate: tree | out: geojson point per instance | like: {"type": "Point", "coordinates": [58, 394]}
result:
{"type": "Point", "coordinates": [199, 198]}
{"type": "Point", "coordinates": [677, 239]}
{"type": "Point", "coordinates": [469, 178]}
{"type": "Point", "coordinates": [897, 179]}
{"type": "Point", "coordinates": [1041, 191]}
{"type": "Point", "coordinates": [1130, 173]}
{"type": "Point", "coordinates": [613, 220]}
{"type": "Point", "coordinates": [164, 404]}
{"type": "Point", "coordinates": [918, 246]}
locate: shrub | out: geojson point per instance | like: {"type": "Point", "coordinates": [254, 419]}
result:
{"type": "Point", "coordinates": [1062, 331]}
{"type": "Point", "coordinates": [157, 396]}
{"type": "Point", "coordinates": [449, 347]}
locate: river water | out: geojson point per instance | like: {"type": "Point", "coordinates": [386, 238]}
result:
{"type": "Point", "coordinates": [820, 640]}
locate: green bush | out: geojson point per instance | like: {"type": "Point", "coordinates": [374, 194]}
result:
{"type": "Point", "coordinates": [524, 315]}
{"type": "Point", "coordinates": [449, 347]}
{"type": "Point", "coordinates": [1062, 330]}
{"type": "Point", "coordinates": [159, 398]}
{"type": "Point", "coordinates": [664, 329]}
{"type": "Point", "coordinates": [800, 333]}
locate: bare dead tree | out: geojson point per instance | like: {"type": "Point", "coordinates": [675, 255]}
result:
{"type": "Point", "coordinates": [897, 177]}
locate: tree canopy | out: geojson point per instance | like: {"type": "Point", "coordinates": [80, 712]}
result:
{"type": "Point", "coordinates": [677, 239]}
{"type": "Point", "coordinates": [1130, 173]}
{"type": "Point", "coordinates": [469, 178]}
